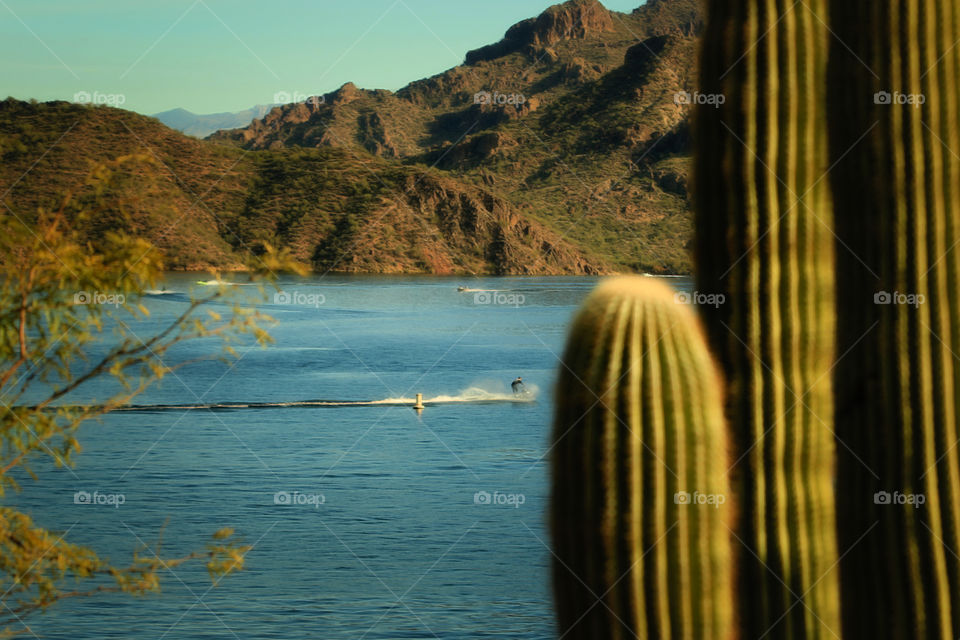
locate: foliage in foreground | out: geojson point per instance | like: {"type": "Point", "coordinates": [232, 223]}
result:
{"type": "Point", "coordinates": [64, 291]}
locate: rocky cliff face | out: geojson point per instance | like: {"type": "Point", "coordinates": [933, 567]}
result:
{"type": "Point", "coordinates": [577, 19]}
{"type": "Point", "coordinates": [473, 222]}
{"type": "Point", "coordinates": [446, 229]}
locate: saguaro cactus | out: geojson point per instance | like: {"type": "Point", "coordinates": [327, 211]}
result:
{"type": "Point", "coordinates": [640, 501]}
{"type": "Point", "coordinates": [895, 139]}
{"type": "Point", "coordinates": [763, 239]}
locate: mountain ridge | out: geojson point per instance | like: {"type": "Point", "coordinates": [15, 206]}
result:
{"type": "Point", "coordinates": [564, 153]}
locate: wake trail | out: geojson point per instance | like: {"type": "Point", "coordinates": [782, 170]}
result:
{"type": "Point", "coordinates": [472, 395]}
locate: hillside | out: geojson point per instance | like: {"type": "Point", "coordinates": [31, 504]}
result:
{"type": "Point", "coordinates": [559, 149]}
{"type": "Point", "coordinates": [207, 205]}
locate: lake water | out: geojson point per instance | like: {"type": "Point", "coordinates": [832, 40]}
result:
{"type": "Point", "coordinates": [399, 547]}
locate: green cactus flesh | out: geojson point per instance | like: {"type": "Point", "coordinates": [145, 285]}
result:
{"type": "Point", "coordinates": [895, 140]}
{"type": "Point", "coordinates": [764, 241]}
{"type": "Point", "coordinates": [640, 501]}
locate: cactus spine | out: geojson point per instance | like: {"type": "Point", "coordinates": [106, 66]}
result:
{"type": "Point", "coordinates": [897, 189]}
{"type": "Point", "coordinates": [763, 239]}
{"type": "Point", "coordinates": [639, 421]}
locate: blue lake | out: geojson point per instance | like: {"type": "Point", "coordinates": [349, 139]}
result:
{"type": "Point", "coordinates": [383, 536]}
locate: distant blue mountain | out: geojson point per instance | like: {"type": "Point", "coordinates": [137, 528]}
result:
{"type": "Point", "coordinates": [202, 125]}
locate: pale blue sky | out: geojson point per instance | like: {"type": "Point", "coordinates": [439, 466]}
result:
{"type": "Point", "coordinates": [227, 55]}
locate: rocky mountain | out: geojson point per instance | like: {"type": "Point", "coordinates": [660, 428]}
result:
{"type": "Point", "coordinates": [560, 149]}
{"type": "Point", "coordinates": [202, 125]}
{"type": "Point", "coordinates": [207, 205]}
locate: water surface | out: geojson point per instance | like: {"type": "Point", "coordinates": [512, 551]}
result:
{"type": "Point", "coordinates": [383, 536]}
